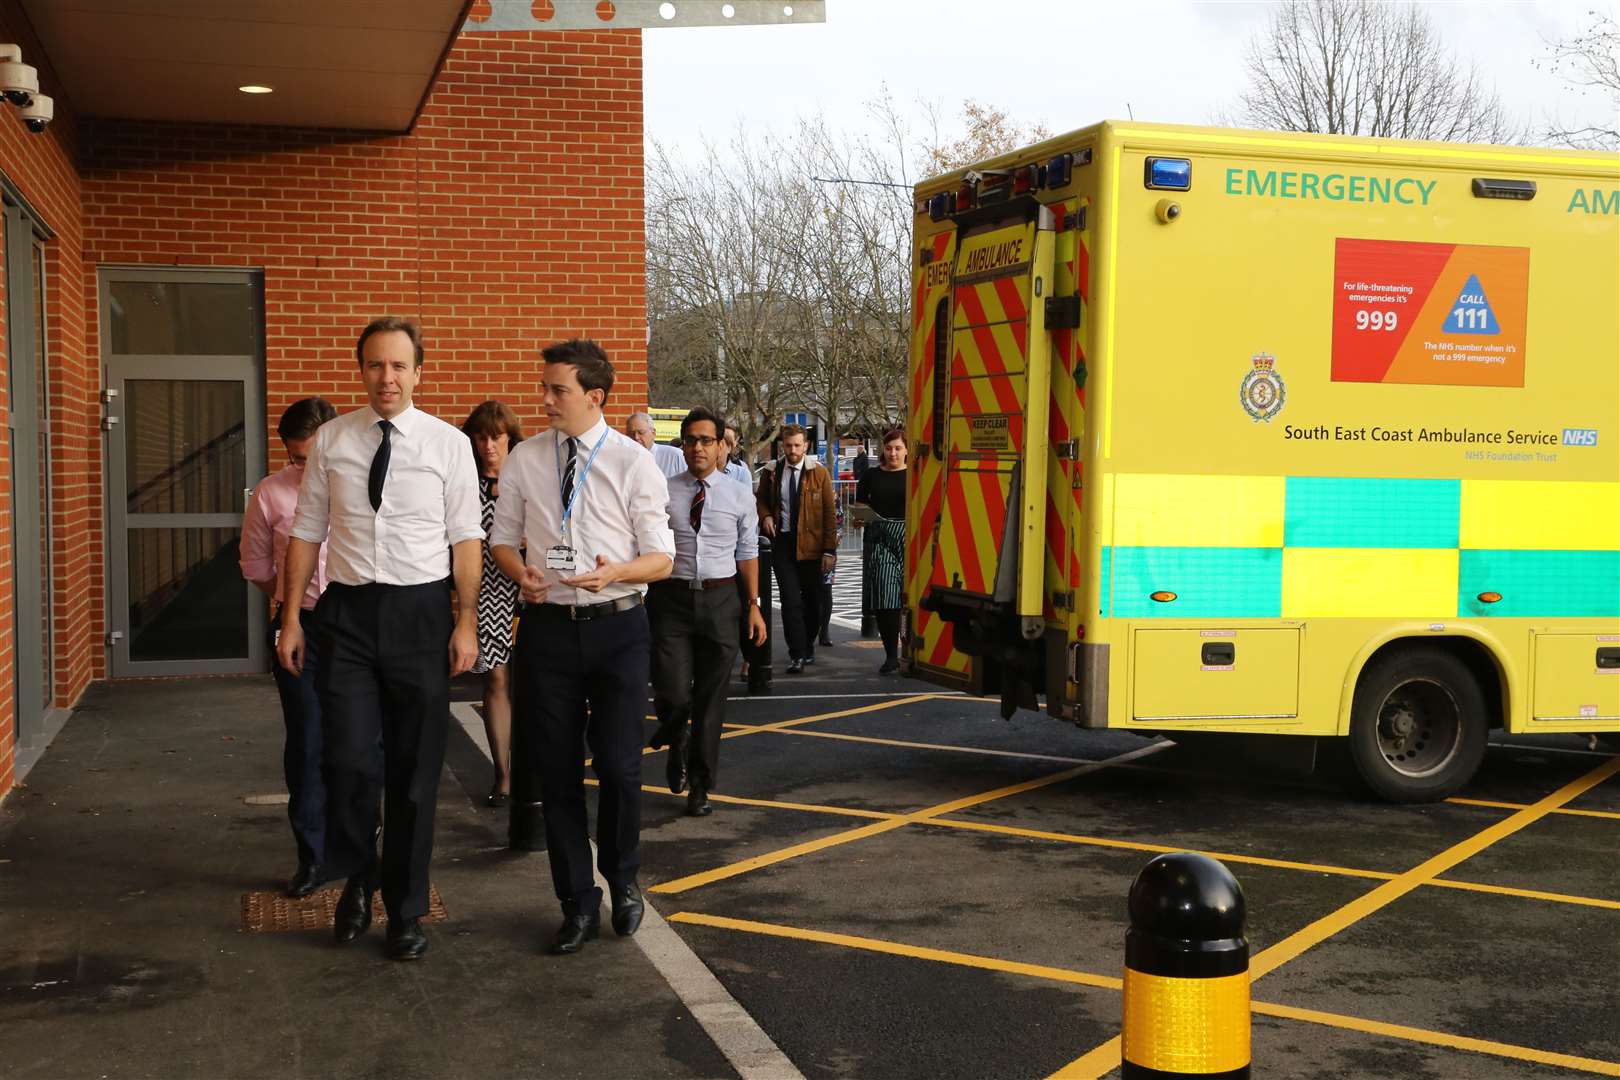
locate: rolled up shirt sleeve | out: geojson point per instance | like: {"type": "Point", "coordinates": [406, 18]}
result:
{"type": "Point", "coordinates": [258, 559]}
{"type": "Point", "coordinates": [463, 517]}
{"type": "Point", "coordinates": [311, 520]}
{"type": "Point", "coordinates": [507, 527]}
{"type": "Point", "coordinates": [748, 532]}
{"type": "Point", "coordinates": [648, 504]}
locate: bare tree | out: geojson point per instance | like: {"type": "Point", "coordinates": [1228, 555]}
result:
{"type": "Point", "coordinates": [1590, 62]}
{"type": "Point", "coordinates": [1360, 67]}
{"type": "Point", "coordinates": [987, 131]}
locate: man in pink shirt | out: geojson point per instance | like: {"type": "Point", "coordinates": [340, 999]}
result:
{"type": "Point", "coordinates": [265, 528]}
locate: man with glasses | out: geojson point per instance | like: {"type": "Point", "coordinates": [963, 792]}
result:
{"type": "Point", "coordinates": [640, 428]}
{"type": "Point", "coordinates": [697, 612]}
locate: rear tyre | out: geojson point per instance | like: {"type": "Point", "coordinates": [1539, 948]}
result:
{"type": "Point", "coordinates": [1610, 741]}
{"type": "Point", "coordinates": [1417, 726]}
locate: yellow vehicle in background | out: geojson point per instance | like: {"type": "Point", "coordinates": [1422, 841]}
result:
{"type": "Point", "coordinates": [667, 423]}
{"type": "Point", "coordinates": [1228, 431]}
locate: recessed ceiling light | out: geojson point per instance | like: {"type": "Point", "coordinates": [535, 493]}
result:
{"type": "Point", "coordinates": [255, 88]}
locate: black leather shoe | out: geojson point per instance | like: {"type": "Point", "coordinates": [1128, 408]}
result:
{"type": "Point", "coordinates": [353, 915]}
{"type": "Point", "coordinates": [697, 803]}
{"type": "Point", "coordinates": [889, 667]}
{"type": "Point", "coordinates": [627, 908]}
{"type": "Point", "coordinates": [496, 797]}
{"type": "Point", "coordinates": [306, 881]}
{"type": "Point", "coordinates": [796, 667]}
{"type": "Point", "coordinates": [574, 932]}
{"type": "Point", "coordinates": [406, 941]}
{"type": "Point", "coordinates": [675, 767]}
{"type": "Point", "coordinates": [809, 660]}
{"type": "Point", "coordinates": [824, 641]}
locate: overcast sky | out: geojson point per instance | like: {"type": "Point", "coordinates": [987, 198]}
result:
{"type": "Point", "coordinates": [1063, 63]}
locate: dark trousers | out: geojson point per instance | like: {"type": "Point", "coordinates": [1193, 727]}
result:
{"type": "Point", "coordinates": [798, 585]}
{"type": "Point", "coordinates": [585, 684]}
{"type": "Point", "coordinates": [385, 672]}
{"type": "Point", "coordinates": [694, 645]}
{"type": "Point", "coordinates": [301, 750]}
{"type": "Point", "coordinates": [757, 657]}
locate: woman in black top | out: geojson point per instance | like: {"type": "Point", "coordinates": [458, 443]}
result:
{"type": "Point", "coordinates": [884, 556]}
{"type": "Point", "coordinates": [494, 430]}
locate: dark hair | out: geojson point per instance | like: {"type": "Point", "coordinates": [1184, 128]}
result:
{"type": "Point", "coordinates": [591, 365]}
{"type": "Point", "coordinates": [389, 324]}
{"type": "Point", "coordinates": [700, 414]}
{"type": "Point", "coordinates": [793, 429]}
{"type": "Point", "coordinates": [493, 418]}
{"type": "Point", "coordinates": [893, 434]}
{"type": "Point", "coordinates": [304, 416]}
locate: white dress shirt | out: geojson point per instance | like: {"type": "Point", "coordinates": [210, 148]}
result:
{"type": "Point", "coordinates": [671, 462]}
{"type": "Point", "coordinates": [730, 527]}
{"type": "Point", "coordinates": [429, 501]}
{"type": "Point", "coordinates": [802, 468]}
{"type": "Point", "coordinates": [620, 507]}
{"type": "Point", "coordinates": [739, 472]}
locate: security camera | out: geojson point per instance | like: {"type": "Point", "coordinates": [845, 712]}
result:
{"type": "Point", "coordinates": [38, 115]}
{"type": "Point", "coordinates": [19, 82]}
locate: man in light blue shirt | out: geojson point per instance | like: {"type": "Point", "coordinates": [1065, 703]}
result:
{"type": "Point", "coordinates": [735, 469]}
{"type": "Point", "coordinates": [697, 611]}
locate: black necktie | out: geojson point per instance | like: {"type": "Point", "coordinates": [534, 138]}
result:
{"type": "Point", "coordinates": [568, 472]}
{"type": "Point", "coordinates": [793, 498]}
{"type": "Point", "coordinates": [379, 466]}
{"type": "Point", "coordinates": [697, 507]}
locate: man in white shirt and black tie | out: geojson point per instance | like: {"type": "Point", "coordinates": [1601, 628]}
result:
{"type": "Point", "coordinates": [394, 492]}
{"type": "Point", "coordinates": [592, 506]}
{"type": "Point", "coordinates": [697, 612]}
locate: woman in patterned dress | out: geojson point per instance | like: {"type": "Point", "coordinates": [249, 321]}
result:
{"type": "Point", "coordinates": [884, 548]}
{"type": "Point", "coordinates": [494, 430]}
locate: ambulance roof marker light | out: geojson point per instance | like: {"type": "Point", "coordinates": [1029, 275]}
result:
{"type": "Point", "coordinates": [939, 207]}
{"type": "Point", "coordinates": [1059, 170]}
{"type": "Point", "coordinates": [1023, 180]}
{"type": "Point", "coordinates": [1168, 174]}
{"type": "Point", "coordinates": [1487, 188]}
{"type": "Point", "coordinates": [966, 196]}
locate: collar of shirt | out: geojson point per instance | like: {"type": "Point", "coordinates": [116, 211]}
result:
{"type": "Point", "coordinates": [730, 527]}
{"type": "Point", "coordinates": [587, 442]}
{"type": "Point", "coordinates": [404, 423]}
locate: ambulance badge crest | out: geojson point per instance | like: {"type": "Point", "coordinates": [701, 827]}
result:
{"type": "Point", "coordinates": [1262, 391]}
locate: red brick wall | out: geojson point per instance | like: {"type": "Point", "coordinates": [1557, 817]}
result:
{"type": "Point", "coordinates": [42, 168]}
{"type": "Point", "coordinates": [510, 217]}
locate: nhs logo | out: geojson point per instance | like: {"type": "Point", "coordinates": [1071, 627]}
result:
{"type": "Point", "coordinates": [1577, 436]}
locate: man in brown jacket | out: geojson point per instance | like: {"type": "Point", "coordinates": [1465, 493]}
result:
{"type": "Point", "coordinates": [797, 512]}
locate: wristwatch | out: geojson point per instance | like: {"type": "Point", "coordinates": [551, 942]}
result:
{"type": "Point", "coordinates": [754, 601]}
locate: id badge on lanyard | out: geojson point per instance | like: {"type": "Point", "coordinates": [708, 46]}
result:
{"type": "Point", "coordinates": [563, 555]}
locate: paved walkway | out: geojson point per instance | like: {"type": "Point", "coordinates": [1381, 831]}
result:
{"type": "Point", "coordinates": [124, 860]}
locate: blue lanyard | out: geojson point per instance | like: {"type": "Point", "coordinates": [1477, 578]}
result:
{"type": "Point", "coordinates": [579, 481]}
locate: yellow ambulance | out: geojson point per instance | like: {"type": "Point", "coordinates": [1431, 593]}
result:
{"type": "Point", "coordinates": [1287, 434]}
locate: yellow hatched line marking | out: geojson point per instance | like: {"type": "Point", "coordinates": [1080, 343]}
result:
{"type": "Point", "coordinates": [771, 804]}
{"type": "Point", "coordinates": [925, 746]}
{"type": "Point", "coordinates": [1107, 1056]}
{"type": "Point", "coordinates": [1528, 894]}
{"type": "Point", "coordinates": [721, 873]}
{"type": "Point", "coordinates": [1609, 815]}
{"type": "Point", "coordinates": [1108, 982]}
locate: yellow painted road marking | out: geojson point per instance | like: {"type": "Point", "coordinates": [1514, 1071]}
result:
{"type": "Point", "coordinates": [1108, 982]}
{"type": "Point", "coordinates": [1528, 894]}
{"type": "Point", "coordinates": [921, 745]}
{"type": "Point", "coordinates": [895, 948]}
{"type": "Point", "coordinates": [1563, 810]}
{"type": "Point", "coordinates": [721, 873]}
{"type": "Point", "coordinates": [1107, 1056]}
{"type": "Point", "coordinates": [772, 804]}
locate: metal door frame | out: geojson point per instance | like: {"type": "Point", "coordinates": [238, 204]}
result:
{"type": "Point", "coordinates": [116, 370]}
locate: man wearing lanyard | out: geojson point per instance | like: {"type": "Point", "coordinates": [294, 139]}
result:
{"type": "Point", "coordinates": [696, 613]}
{"type": "Point", "coordinates": [592, 505]}
{"type": "Point", "coordinates": [395, 492]}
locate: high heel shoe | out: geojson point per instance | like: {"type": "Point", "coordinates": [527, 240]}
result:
{"type": "Point", "coordinates": [496, 797]}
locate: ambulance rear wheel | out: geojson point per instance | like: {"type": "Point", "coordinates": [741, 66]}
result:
{"type": "Point", "coordinates": [1417, 726]}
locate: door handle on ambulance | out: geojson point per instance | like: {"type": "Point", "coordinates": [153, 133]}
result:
{"type": "Point", "coordinates": [1219, 653]}
{"type": "Point", "coordinates": [1608, 658]}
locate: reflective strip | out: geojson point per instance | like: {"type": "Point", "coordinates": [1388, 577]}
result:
{"type": "Point", "coordinates": [1540, 584]}
{"type": "Point", "coordinates": [1206, 511]}
{"type": "Point", "coordinates": [1188, 1026]}
{"type": "Point", "coordinates": [1386, 583]}
{"type": "Point", "coordinates": [1540, 514]}
{"type": "Point", "coordinates": [1346, 512]}
{"type": "Point", "coordinates": [1209, 582]}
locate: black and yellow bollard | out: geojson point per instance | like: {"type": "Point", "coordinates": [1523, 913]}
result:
{"type": "Point", "coordinates": [1186, 973]}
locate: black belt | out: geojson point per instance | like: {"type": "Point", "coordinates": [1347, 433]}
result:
{"type": "Point", "coordinates": [706, 583]}
{"type": "Point", "coordinates": [584, 612]}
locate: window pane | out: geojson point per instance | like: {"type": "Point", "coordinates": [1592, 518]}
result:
{"type": "Point", "coordinates": [187, 599]}
{"type": "Point", "coordinates": [166, 318]}
{"type": "Point", "coordinates": [185, 446]}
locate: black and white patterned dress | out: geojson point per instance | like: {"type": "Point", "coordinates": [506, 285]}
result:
{"type": "Point", "coordinates": [497, 593]}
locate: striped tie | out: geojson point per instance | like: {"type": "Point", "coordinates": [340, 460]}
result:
{"type": "Point", "coordinates": [568, 472]}
{"type": "Point", "coordinates": [697, 507]}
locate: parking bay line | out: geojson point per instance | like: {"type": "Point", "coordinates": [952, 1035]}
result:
{"type": "Point", "coordinates": [1562, 811]}
{"type": "Point", "coordinates": [721, 873]}
{"type": "Point", "coordinates": [1106, 1057]}
{"type": "Point", "coordinates": [921, 745]}
{"type": "Point", "coordinates": [1107, 982]}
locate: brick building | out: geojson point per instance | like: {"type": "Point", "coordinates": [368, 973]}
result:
{"type": "Point", "coordinates": [183, 260]}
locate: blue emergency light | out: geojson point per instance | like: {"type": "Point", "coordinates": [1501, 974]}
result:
{"type": "Point", "coordinates": [1058, 170]}
{"type": "Point", "coordinates": [1168, 174]}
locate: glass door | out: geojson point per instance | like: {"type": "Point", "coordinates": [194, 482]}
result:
{"type": "Point", "coordinates": [185, 439]}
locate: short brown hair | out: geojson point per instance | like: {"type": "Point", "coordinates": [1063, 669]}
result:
{"type": "Point", "coordinates": [892, 434]}
{"type": "Point", "coordinates": [304, 416]}
{"type": "Point", "coordinates": [590, 363]}
{"type": "Point", "coordinates": [789, 430]}
{"type": "Point", "coordinates": [389, 324]}
{"type": "Point", "coordinates": [493, 418]}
